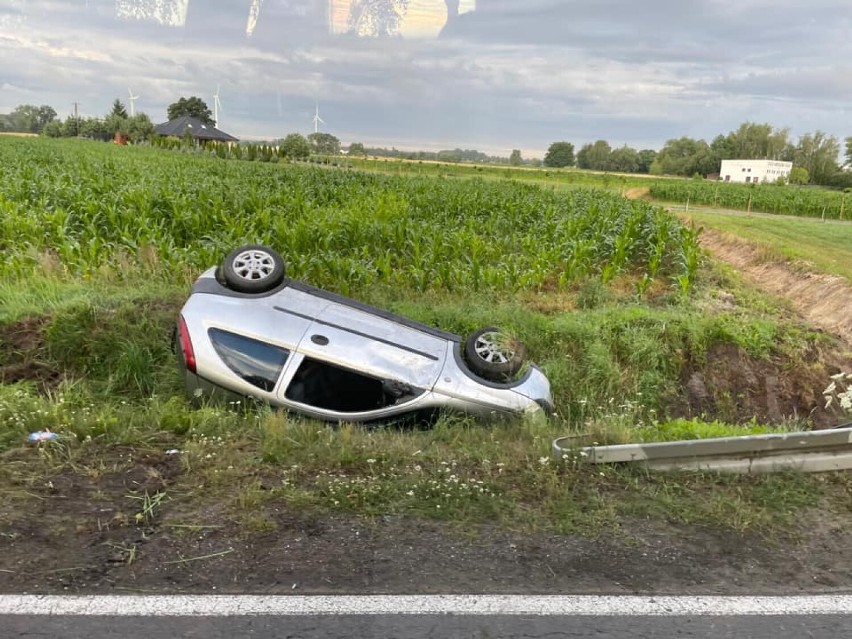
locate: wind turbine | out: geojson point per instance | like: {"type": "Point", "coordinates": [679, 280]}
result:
{"type": "Point", "coordinates": [216, 106]}
{"type": "Point", "coordinates": [317, 119]}
{"type": "Point", "coordinates": [133, 99]}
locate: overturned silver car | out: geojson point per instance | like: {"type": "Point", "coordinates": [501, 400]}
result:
{"type": "Point", "coordinates": [248, 330]}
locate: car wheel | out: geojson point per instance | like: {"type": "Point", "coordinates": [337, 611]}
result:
{"type": "Point", "coordinates": [494, 354]}
{"type": "Point", "coordinates": [253, 269]}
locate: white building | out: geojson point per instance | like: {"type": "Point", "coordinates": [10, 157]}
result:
{"type": "Point", "coordinates": [754, 171]}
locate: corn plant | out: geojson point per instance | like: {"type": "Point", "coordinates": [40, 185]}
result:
{"type": "Point", "coordinates": [103, 209]}
{"type": "Point", "coordinates": [768, 198]}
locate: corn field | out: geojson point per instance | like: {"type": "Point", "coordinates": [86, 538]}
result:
{"type": "Point", "coordinates": [767, 198]}
{"type": "Point", "coordinates": [85, 207]}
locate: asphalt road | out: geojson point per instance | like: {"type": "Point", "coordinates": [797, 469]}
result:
{"type": "Point", "coordinates": [431, 616]}
{"type": "Point", "coordinates": [423, 626]}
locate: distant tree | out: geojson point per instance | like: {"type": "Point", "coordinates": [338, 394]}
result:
{"type": "Point", "coordinates": [357, 149]}
{"type": "Point", "coordinates": [471, 155]}
{"type": "Point", "coordinates": [46, 114]}
{"type": "Point", "coordinates": [817, 152]}
{"type": "Point", "coordinates": [139, 128]}
{"type": "Point", "coordinates": [118, 109]}
{"type": "Point", "coordinates": [624, 160]}
{"type": "Point", "coordinates": [515, 158]}
{"type": "Point", "coordinates": [324, 143]}
{"type": "Point", "coordinates": [449, 156]}
{"type": "Point", "coordinates": [71, 127]}
{"type": "Point", "coordinates": [28, 118]}
{"type": "Point", "coordinates": [559, 155]}
{"type": "Point", "coordinates": [685, 156]}
{"type": "Point", "coordinates": [646, 158]}
{"type": "Point", "coordinates": [595, 156]}
{"type": "Point", "coordinates": [753, 141]}
{"type": "Point", "coordinates": [848, 151]}
{"type": "Point", "coordinates": [116, 123]}
{"type": "Point", "coordinates": [194, 107]}
{"type": "Point", "coordinates": [295, 147]}
{"type": "Point", "coordinates": [841, 180]}
{"type": "Point", "coordinates": [799, 175]}
{"type": "Point", "coordinates": [54, 129]}
{"type": "Point", "coordinates": [95, 129]}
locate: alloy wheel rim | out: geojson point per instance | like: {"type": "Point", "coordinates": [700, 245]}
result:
{"type": "Point", "coordinates": [254, 265]}
{"type": "Point", "coordinates": [492, 348]}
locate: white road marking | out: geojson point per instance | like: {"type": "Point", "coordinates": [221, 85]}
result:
{"type": "Point", "coordinates": [544, 605]}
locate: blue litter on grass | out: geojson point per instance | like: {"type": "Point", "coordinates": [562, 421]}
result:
{"type": "Point", "coordinates": [42, 436]}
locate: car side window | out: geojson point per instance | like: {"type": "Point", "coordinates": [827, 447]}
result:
{"type": "Point", "coordinates": [329, 387]}
{"type": "Point", "coordinates": [258, 363]}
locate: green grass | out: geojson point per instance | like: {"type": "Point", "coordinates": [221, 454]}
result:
{"type": "Point", "coordinates": [826, 246]}
{"type": "Point", "coordinates": [458, 472]}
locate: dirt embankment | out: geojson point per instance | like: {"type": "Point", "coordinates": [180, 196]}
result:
{"type": "Point", "coordinates": [823, 300]}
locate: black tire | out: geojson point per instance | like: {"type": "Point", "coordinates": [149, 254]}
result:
{"type": "Point", "coordinates": [253, 269]}
{"type": "Point", "coordinates": [493, 354]}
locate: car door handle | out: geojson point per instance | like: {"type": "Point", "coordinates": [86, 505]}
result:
{"type": "Point", "coordinates": [320, 340]}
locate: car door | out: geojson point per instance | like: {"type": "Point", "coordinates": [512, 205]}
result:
{"type": "Point", "coordinates": [237, 331]}
{"type": "Point", "coordinates": [352, 361]}
{"type": "Point", "coordinates": [375, 345]}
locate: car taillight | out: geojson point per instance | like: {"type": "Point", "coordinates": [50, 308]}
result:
{"type": "Point", "coordinates": [186, 346]}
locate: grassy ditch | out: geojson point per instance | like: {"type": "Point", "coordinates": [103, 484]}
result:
{"type": "Point", "coordinates": [825, 246]}
{"type": "Point", "coordinates": [96, 368]}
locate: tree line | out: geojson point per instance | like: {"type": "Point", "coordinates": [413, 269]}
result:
{"type": "Point", "coordinates": [28, 118]}
{"type": "Point", "coordinates": [814, 154]}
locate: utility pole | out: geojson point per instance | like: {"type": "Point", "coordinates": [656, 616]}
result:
{"type": "Point", "coordinates": [76, 119]}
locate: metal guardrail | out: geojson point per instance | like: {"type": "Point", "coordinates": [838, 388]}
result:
{"type": "Point", "coordinates": [809, 451]}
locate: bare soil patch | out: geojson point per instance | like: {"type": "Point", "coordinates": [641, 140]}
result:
{"type": "Point", "coordinates": [733, 386]}
{"type": "Point", "coordinates": [22, 354]}
{"type": "Point", "coordinates": [823, 300]}
{"type": "Point", "coordinates": [638, 193]}
{"type": "Point", "coordinates": [79, 535]}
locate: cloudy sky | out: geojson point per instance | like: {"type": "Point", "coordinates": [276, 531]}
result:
{"type": "Point", "coordinates": [496, 75]}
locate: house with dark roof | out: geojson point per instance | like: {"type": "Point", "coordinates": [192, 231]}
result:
{"type": "Point", "coordinates": [195, 127]}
